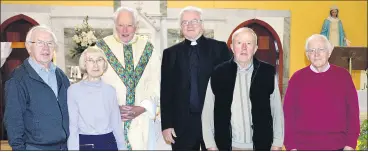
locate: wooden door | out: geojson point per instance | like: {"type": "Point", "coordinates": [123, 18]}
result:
{"type": "Point", "coordinates": [269, 45]}
{"type": "Point", "coordinates": [13, 30]}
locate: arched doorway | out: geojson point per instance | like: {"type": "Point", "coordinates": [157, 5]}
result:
{"type": "Point", "coordinates": [13, 30]}
{"type": "Point", "coordinates": [269, 45]}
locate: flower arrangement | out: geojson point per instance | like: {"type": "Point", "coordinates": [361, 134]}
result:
{"type": "Point", "coordinates": [84, 37]}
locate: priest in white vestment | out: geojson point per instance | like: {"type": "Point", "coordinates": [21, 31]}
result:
{"type": "Point", "coordinates": [134, 70]}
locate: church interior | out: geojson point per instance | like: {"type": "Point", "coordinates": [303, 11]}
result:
{"type": "Point", "coordinates": [282, 28]}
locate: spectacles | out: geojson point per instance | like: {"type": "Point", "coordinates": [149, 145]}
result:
{"type": "Point", "coordinates": [98, 61]}
{"type": "Point", "coordinates": [317, 50]}
{"type": "Point", "coordinates": [50, 44]}
{"type": "Point", "coordinates": [193, 22]}
{"type": "Point", "coordinates": [126, 25]}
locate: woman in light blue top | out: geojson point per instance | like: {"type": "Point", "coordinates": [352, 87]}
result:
{"type": "Point", "coordinates": [95, 122]}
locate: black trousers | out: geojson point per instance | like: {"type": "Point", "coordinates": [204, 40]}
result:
{"type": "Point", "coordinates": [191, 139]}
{"type": "Point", "coordinates": [198, 145]}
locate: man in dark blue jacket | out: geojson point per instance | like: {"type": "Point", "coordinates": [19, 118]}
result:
{"type": "Point", "coordinates": [36, 112]}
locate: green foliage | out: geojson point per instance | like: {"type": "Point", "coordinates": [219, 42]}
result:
{"type": "Point", "coordinates": [363, 138]}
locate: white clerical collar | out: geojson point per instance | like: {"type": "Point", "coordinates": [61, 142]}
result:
{"type": "Point", "coordinates": [316, 71]}
{"type": "Point", "coordinates": [194, 41]}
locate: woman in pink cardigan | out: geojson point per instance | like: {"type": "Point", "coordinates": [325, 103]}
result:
{"type": "Point", "coordinates": [321, 103]}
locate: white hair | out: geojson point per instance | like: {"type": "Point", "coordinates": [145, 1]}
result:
{"type": "Point", "coordinates": [95, 50]}
{"type": "Point", "coordinates": [127, 9]}
{"type": "Point", "coordinates": [190, 9]}
{"type": "Point", "coordinates": [40, 28]}
{"type": "Point", "coordinates": [244, 29]}
{"type": "Point", "coordinates": [327, 43]}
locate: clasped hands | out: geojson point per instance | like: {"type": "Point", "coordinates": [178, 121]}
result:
{"type": "Point", "coordinates": [130, 112]}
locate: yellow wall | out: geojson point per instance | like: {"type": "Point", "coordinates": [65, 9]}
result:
{"type": "Point", "coordinates": [306, 19]}
{"type": "Point", "coordinates": [66, 3]}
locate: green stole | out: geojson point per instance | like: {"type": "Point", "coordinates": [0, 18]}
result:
{"type": "Point", "coordinates": [128, 75]}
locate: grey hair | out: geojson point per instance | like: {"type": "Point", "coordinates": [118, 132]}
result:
{"type": "Point", "coordinates": [40, 28]}
{"type": "Point", "coordinates": [127, 9]}
{"type": "Point", "coordinates": [190, 9]}
{"type": "Point", "coordinates": [244, 29]}
{"type": "Point", "coordinates": [82, 58]}
{"type": "Point", "coordinates": [328, 44]}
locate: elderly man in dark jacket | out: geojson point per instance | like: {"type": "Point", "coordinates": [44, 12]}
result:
{"type": "Point", "coordinates": [36, 112]}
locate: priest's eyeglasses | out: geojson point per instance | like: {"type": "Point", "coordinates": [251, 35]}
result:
{"type": "Point", "coordinates": [192, 22]}
{"type": "Point", "coordinates": [98, 61]}
{"type": "Point", "coordinates": [50, 44]}
{"type": "Point", "coordinates": [126, 25]}
{"type": "Point", "coordinates": [317, 50]}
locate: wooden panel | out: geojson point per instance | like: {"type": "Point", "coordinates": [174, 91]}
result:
{"type": "Point", "coordinates": [264, 42]}
{"type": "Point", "coordinates": [12, 36]}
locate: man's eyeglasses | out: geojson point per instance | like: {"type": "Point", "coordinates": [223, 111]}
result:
{"type": "Point", "coordinates": [193, 22]}
{"type": "Point", "coordinates": [317, 50]}
{"type": "Point", "coordinates": [50, 44]}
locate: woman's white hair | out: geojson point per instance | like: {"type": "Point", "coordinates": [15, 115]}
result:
{"type": "Point", "coordinates": [190, 9]}
{"type": "Point", "coordinates": [127, 9]}
{"type": "Point", "coordinates": [89, 50]}
{"type": "Point", "coordinates": [40, 28]}
{"type": "Point", "coordinates": [327, 43]}
{"type": "Point", "coordinates": [244, 29]}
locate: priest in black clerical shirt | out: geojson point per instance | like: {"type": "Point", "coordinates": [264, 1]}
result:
{"type": "Point", "coordinates": [186, 69]}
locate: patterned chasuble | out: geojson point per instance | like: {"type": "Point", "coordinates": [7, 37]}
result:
{"type": "Point", "coordinates": [128, 75]}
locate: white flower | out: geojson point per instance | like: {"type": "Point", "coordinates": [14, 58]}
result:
{"type": "Point", "coordinates": [85, 41]}
{"type": "Point", "coordinates": [84, 35]}
{"type": "Point", "coordinates": [91, 38]}
{"type": "Point", "coordinates": [76, 39]}
{"type": "Point", "coordinates": [90, 33]}
{"type": "Point", "coordinates": [78, 27]}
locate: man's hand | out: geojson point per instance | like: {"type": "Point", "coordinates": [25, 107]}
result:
{"type": "Point", "coordinates": [168, 135]}
{"type": "Point", "coordinates": [348, 148]}
{"type": "Point", "coordinates": [276, 148]}
{"type": "Point", "coordinates": [130, 112]}
{"type": "Point", "coordinates": [212, 148]}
